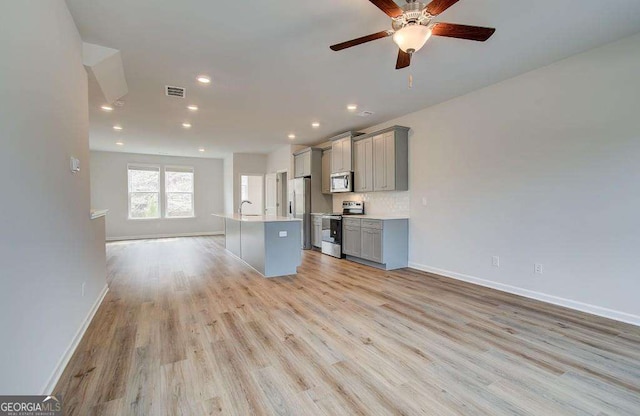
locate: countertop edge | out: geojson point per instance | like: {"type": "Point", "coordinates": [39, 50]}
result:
{"type": "Point", "coordinates": [256, 218]}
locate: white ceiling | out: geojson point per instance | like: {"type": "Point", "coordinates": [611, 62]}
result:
{"type": "Point", "coordinates": [273, 72]}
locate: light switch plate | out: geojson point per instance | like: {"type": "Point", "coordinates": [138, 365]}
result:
{"type": "Point", "coordinates": [282, 234]}
{"type": "Point", "coordinates": [75, 165]}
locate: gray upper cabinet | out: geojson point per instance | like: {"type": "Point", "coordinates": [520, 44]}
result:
{"type": "Point", "coordinates": [302, 163]}
{"type": "Point", "coordinates": [363, 165]}
{"type": "Point", "coordinates": [326, 171]}
{"type": "Point", "coordinates": [390, 160]}
{"type": "Point", "coordinates": [341, 155]}
{"type": "Point", "coordinates": [384, 166]}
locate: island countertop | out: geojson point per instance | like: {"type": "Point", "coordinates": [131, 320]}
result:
{"type": "Point", "coordinates": [256, 218]}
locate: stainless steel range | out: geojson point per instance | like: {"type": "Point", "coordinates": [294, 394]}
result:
{"type": "Point", "coordinates": [332, 227]}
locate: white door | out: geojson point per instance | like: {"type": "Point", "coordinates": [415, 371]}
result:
{"type": "Point", "coordinates": [271, 194]}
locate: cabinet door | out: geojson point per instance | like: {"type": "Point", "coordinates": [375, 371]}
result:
{"type": "Point", "coordinates": [326, 171]}
{"type": "Point", "coordinates": [351, 240]}
{"type": "Point", "coordinates": [379, 163]}
{"type": "Point", "coordinates": [316, 237]}
{"type": "Point", "coordinates": [371, 243]}
{"type": "Point", "coordinates": [363, 165]}
{"type": "Point", "coordinates": [306, 164]}
{"type": "Point", "coordinates": [298, 166]}
{"type": "Point", "coordinates": [384, 162]}
{"type": "Point", "coordinates": [390, 159]}
{"type": "Point", "coordinates": [336, 156]}
{"type": "Point", "coordinates": [346, 154]}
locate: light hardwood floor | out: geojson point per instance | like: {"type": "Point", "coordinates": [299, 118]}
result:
{"type": "Point", "coordinates": [187, 329]}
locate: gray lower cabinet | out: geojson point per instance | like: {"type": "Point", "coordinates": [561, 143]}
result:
{"type": "Point", "coordinates": [371, 244]}
{"type": "Point", "coordinates": [351, 237]}
{"type": "Point", "coordinates": [382, 243]}
{"type": "Point", "coordinates": [316, 230]}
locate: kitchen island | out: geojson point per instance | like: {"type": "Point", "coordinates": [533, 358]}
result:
{"type": "Point", "coordinates": [270, 244]}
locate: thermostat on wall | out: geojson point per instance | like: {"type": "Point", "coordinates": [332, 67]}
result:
{"type": "Point", "coordinates": [75, 165]}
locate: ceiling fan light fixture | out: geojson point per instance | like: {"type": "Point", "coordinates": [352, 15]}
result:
{"type": "Point", "coordinates": [412, 38]}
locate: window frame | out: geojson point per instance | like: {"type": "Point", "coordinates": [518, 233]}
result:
{"type": "Point", "coordinates": [178, 168]}
{"type": "Point", "coordinates": [143, 166]}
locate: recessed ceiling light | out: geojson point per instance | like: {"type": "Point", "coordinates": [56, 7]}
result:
{"type": "Point", "coordinates": [315, 124]}
{"type": "Point", "coordinates": [192, 107]}
{"type": "Point", "coordinates": [117, 127]}
{"type": "Point", "coordinates": [352, 107]}
{"type": "Point", "coordinates": [186, 125]}
{"type": "Point", "coordinates": [107, 108]}
{"type": "Point", "coordinates": [203, 79]}
{"type": "Point", "coordinates": [292, 136]}
{"type": "Point", "coordinates": [201, 149]}
{"type": "Point", "coordinates": [120, 143]}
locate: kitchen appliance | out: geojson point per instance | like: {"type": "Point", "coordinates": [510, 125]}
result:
{"type": "Point", "coordinates": [352, 208]}
{"type": "Point", "coordinates": [413, 24]}
{"type": "Point", "coordinates": [332, 227]}
{"type": "Point", "coordinates": [300, 207]}
{"type": "Point", "coordinates": [332, 235]}
{"type": "Point", "coordinates": [342, 182]}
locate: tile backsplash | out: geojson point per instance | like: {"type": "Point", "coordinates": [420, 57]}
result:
{"type": "Point", "coordinates": [377, 203]}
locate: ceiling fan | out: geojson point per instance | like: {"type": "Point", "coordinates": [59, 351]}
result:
{"type": "Point", "coordinates": [412, 25]}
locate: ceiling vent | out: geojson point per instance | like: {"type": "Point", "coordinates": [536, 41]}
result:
{"type": "Point", "coordinates": [175, 91]}
{"type": "Point", "coordinates": [365, 113]}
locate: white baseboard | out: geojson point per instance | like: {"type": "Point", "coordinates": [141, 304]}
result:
{"type": "Point", "coordinates": [64, 360]}
{"type": "Point", "coordinates": [555, 300]}
{"type": "Point", "coordinates": [151, 236]}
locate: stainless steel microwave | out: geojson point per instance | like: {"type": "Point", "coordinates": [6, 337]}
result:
{"type": "Point", "coordinates": [342, 182]}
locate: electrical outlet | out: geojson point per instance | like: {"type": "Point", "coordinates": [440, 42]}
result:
{"type": "Point", "coordinates": [424, 201]}
{"type": "Point", "coordinates": [83, 285]}
{"type": "Point", "coordinates": [495, 261]}
{"type": "Point", "coordinates": [537, 268]}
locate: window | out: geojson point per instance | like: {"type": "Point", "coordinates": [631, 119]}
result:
{"type": "Point", "coordinates": [244, 187]}
{"type": "Point", "coordinates": [178, 189]}
{"type": "Point", "coordinates": [144, 192]}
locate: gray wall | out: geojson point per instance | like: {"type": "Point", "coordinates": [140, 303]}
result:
{"type": "Point", "coordinates": [109, 191]}
{"type": "Point", "coordinates": [541, 168]}
{"type": "Point", "coordinates": [48, 245]}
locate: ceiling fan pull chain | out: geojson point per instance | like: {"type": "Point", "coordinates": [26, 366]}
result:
{"type": "Point", "coordinates": [410, 81]}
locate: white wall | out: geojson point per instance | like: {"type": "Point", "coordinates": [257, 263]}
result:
{"type": "Point", "coordinates": [281, 159]}
{"type": "Point", "coordinates": [228, 184]}
{"type": "Point", "coordinates": [246, 164]}
{"type": "Point", "coordinates": [541, 168]}
{"type": "Point", "coordinates": [109, 191]}
{"type": "Point", "coordinates": [48, 245]}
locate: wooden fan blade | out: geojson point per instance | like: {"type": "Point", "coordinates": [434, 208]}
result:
{"type": "Point", "coordinates": [388, 6]}
{"type": "Point", "coordinates": [358, 41]}
{"type": "Point", "coordinates": [438, 6]}
{"type": "Point", "coordinates": [453, 30]}
{"type": "Point", "coordinates": [404, 59]}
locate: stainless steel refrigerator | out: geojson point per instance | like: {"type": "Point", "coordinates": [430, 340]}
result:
{"type": "Point", "coordinates": [300, 207]}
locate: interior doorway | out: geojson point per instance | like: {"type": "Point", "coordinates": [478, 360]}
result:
{"type": "Point", "coordinates": [252, 189]}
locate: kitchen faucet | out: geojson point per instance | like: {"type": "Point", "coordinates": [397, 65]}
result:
{"type": "Point", "coordinates": [241, 203]}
